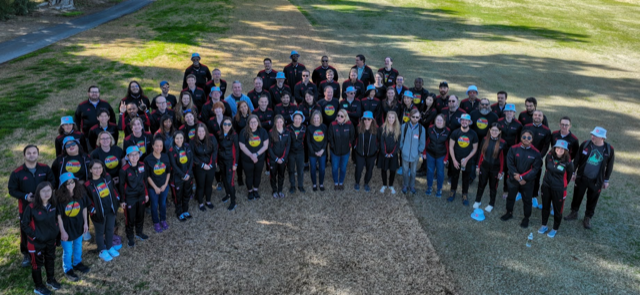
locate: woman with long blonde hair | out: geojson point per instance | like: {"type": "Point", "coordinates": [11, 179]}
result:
{"type": "Point", "coordinates": [389, 137]}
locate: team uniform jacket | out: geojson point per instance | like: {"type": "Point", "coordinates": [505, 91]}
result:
{"type": "Point", "coordinates": [452, 119]}
{"type": "Point", "coordinates": [138, 100]}
{"type": "Point", "coordinates": [524, 161]}
{"type": "Point", "coordinates": [286, 112]}
{"type": "Point", "coordinates": [441, 102]}
{"type": "Point", "coordinates": [144, 143]}
{"type": "Point", "coordinates": [279, 150]}
{"type": "Point", "coordinates": [207, 111]}
{"type": "Point", "coordinates": [79, 136]}
{"type": "Point", "coordinates": [389, 76]}
{"type": "Point", "coordinates": [198, 95]}
{"type": "Point", "coordinates": [203, 155]}
{"type": "Point", "coordinates": [266, 117]}
{"type": "Point", "coordinates": [487, 161]}
{"type": "Point", "coordinates": [98, 190]}
{"type": "Point", "coordinates": [373, 105]}
{"type": "Point", "coordinates": [320, 74]}
{"type": "Point", "coordinates": [228, 148]}
{"type": "Point", "coordinates": [156, 116]}
{"type": "Point", "coordinates": [428, 116]}
{"type": "Point", "coordinates": [181, 161]}
{"type": "Point", "coordinates": [332, 84]}
{"type": "Point", "coordinates": [74, 164]}
{"type": "Point", "coordinates": [211, 84]}
{"type": "Point", "coordinates": [172, 101]}
{"type": "Point", "coordinates": [297, 138]}
{"type": "Point", "coordinates": [87, 114]}
{"type": "Point", "coordinates": [510, 130]}
{"type": "Point", "coordinates": [202, 74]}
{"type": "Point", "coordinates": [254, 96]}
{"type": "Point", "coordinates": [268, 79]}
{"type": "Point", "coordinates": [354, 110]}
{"type": "Point", "coordinates": [124, 123]}
{"type": "Point", "coordinates": [307, 110]}
{"type": "Point", "coordinates": [22, 182]}
{"type": "Point", "coordinates": [189, 131]}
{"type": "Point", "coordinates": [341, 137]}
{"type": "Point", "coordinates": [132, 183]}
{"type": "Point", "coordinates": [571, 139]}
{"type": "Point", "coordinates": [300, 90]}
{"type": "Point", "coordinates": [293, 74]}
{"type": "Point", "coordinates": [367, 77]}
{"type": "Point", "coordinates": [238, 125]}
{"type": "Point", "coordinates": [276, 94]}
{"type": "Point", "coordinates": [499, 111]}
{"type": "Point", "coordinates": [371, 143]}
{"type": "Point", "coordinates": [358, 85]}
{"type": "Point", "coordinates": [526, 118]}
{"type": "Point", "coordinates": [541, 137]}
{"type": "Point", "coordinates": [438, 142]}
{"type": "Point", "coordinates": [557, 174]}
{"type": "Point", "coordinates": [399, 93]}
{"type": "Point", "coordinates": [94, 132]}
{"type": "Point", "coordinates": [40, 224]}
{"type": "Point", "coordinates": [469, 106]}
{"type": "Point", "coordinates": [214, 127]}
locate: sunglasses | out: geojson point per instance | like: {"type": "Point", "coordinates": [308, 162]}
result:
{"type": "Point", "coordinates": [452, 100]}
{"type": "Point", "coordinates": [305, 75]}
{"type": "Point", "coordinates": [70, 144]}
{"type": "Point", "coordinates": [527, 137]}
{"type": "Point", "coordinates": [226, 124]}
{"type": "Point", "coordinates": [325, 61]}
{"type": "Point", "coordinates": [415, 117]}
{"type": "Point", "coordinates": [484, 104]}
{"type": "Point", "coordinates": [340, 116]}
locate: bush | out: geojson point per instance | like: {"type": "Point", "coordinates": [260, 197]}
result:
{"type": "Point", "coordinates": [10, 8]}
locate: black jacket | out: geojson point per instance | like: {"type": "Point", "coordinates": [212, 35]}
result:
{"type": "Point", "coordinates": [354, 110]}
{"type": "Point", "coordinates": [228, 148]}
{"type": "Point", "coordinates": [438, 142]}
{"type": "Point", "coordinates": [202, 74]}
{"type": "Point", "coordinates": [541, 137]}
{"type": "Point", "coordinates": [358, 85]}
{"type": "Point", "coordinates": [524, 161]}
{"type": "Point", "coordinates": [156, 116]}
{"type": "Point", "coordinates": [144, 143]}
{"type": "Point", "coordinates": [95, 131]}
{"type": "Point", "coordinates": [606, 168]}
{"type": "Point", "coordinates": [367, 141]}
{"type": "Point", "coordinates": [487, 161]}
{"type": "Point", "coordinates": [181, 161]}
{"type": "Point", "coordinates": [510, 131]}
{"type": "Point", "coordinates": [22, 182]}
{"type": "Point", "coordinates": [266, 117]}
{"type": "Point", "coordinates": [341, 137]}
{"type": "Point", "coordinates": [132, 183]}
{"type": "Point", "coordinates": [276, 94]}
{"type": "Point", "coordinates": [367, 77]}
{"type": "Point", "coordinates": [279, 149]}
{"type": "Point", "coordinates": [297, 139]}
{"type": "Point", "coordinates": [286, 112]}
{"type": "Point", "coordinates": [95, 189]}
{"type": "Point", "coordinates": [203, 154]}
{"type": "Point", "coordinates": [87, 115]}
{"type": "Point", "coordinates": [63, 164]}
{"type": "Point", "coordinates": [40, 224]}
{"type": "Point", "coordinates": [557, 174]}
{"type": "Point", "coordinates": [300, 91]}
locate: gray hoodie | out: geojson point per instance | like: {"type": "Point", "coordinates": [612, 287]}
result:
{"type": "Point", "coordinates": [413, 144]}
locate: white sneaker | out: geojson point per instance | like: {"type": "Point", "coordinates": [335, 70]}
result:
{"type": "Point", "coordinates": [393, 190]}
{"type": "Point", "coordinates": [383, 188]}
{"type": "Point", "coordinates": [476, 205]}
{"type": "Point", "coordinates": [488, 208]}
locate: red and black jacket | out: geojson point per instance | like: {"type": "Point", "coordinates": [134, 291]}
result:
{"type": "Point", "coordinates": [279, 149]}
{"type": "Point", "coordinates": [144, 143]}
{"type": "Point", "coordinates": [452, 119]}
{"type": "Point", "coordinates": [487, 162]}
{"type": "Point", "coordinates": [79, 136]}
{"type": "Point", "coordinates": [373, 105]}
{"type": "Point", "coordinates": [541, 137]}
{"type": "Point", "coordinates": [399, 95]}
{"type": "Point", "coordinates": [354, 110]}
{"type": "Point", "coordinates": [307, 110]}
{"type": "Point", "coordinates": [22, 182]}
{"type": "Point", "coordinates": [571, 139]}
{"type": "Point", "coordinates": [95, 131]}
{"type": "Point", "coordinates": [441, 102]}
{"type": "Point", "coordinates": [40, 224]}
{"type": "Point", "coordinates": [87, 114]}
{"type": "Point", "coordinates": [524, 161]}
{"type": "Point", "coordinates": [557, 174]}
{"type": "Point", "coordinates": [389, 76]}
{"type": "Point", "coordinates": [367, 141]}
{"type": "Point", "coordinates": [468, 105]}
{"type": "Point", "coordinates": [66, 163]}
{"type": "Point", "coordinates": [211, 84]}
{"type": "Point", "coordinates": [297, 138]}
{"type": "Point", "coordinates": [293, 74]}
{"type": "Point", "coordinates": [124, 123]}
{"type": "Point", "coordinates": [389, 145]}
{"type": "Point", "coordinates": [205, 155]}
{"type": "Point", "coordinates": [320, 74]}
{"type": "Point", "coordinates": [132, 183]}
{"type": "Point", "coordinates": [156, 117]}
{"type": "Point", "coordinates": [286, 112]}
{"type": "Point", "coordinates": [526, 118]}
{"type": "Point", "coordinates": [202, 74]}
{"type": "Point", "coordinates": [214, 127]}
{"type": "Point", "coordinates": [300, 91]}
{"type": "Point", "coordinates": [510, 130]}
{"type": "Point", "coordinates": [358, 85]}
{"type": "Point", "coordinates": [333, 84]}
{"type": "Point", "coordinates": [268, 79]}
{"type": "Point", "coordinates": [198, 95]}
{"type": "Point", "coordinates": [96, 189]}
{"type": "Point", "coordinates": [276, 94]}
{"type": "Point", "coordinates": [189, 131]}
{"type": "Point", "coordinates": [266, 117]}
{"type": "Point", "coordinates": [255, 97]}
{"type": "Point", "coordinates": [341, 137]}
{"type": "Point", "coordinates": [438, 142]}
{"type": "Point", "coordinates": [138, 100]}
{"type": "Point", "coordinates": [428, 116]}
{"type": "Point", "coordinates": [495, 108]}
{"type": "Point", "coordinates": [228, 148]}
{"type": "Point", "coordinates": [367, 77]}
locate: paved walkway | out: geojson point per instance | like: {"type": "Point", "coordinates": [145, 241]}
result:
{"type": "Point", "coordinates": [42, 38]}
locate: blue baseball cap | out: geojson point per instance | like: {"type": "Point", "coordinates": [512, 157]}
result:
{"type": "Point", "coordinates": [66, 120]}
{"type": "Point", "coordinates": [64, 177]}
{"type": "Point", "coordinates": [163, 83]}
{"type": "Point", "coordinates": [510, 107]}
{"type": "Point", "coordinates": [132, 149]}
{"type": "Point", "coordinates": [195, 54]}
{"type": "Point", "coordinates": [465, 117]}
{"type": "Point", "coordinates": [299, 113]}
{"type": "Point", "coordinates": [68, 139]}
{"type": "Point", "coordinates": [599, 132]}
{"type": "Point", "coordinates": [371, 87]}
{"type": "Point", "coordinates": [350, 89]}
{"type": "Point", "coordinates": [562, 144]}
{"type": "Point", "coordinates": [214, 88]}
{"type": "Point", "coordinates": [280, 75]}
{"type": "Point", "coordinates": [408, 93]}
{"type": "Point", "coordinates": [367, 115]}
{"type": "Point", "coordinates": [294, 53]}
{"type": "Point", "coordinates": [478, 214]}
{"type": "Point", "coordinates": [472, 88]}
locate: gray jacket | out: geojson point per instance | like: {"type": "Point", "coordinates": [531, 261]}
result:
{"type": "Point", "coordinates": [413, 144]}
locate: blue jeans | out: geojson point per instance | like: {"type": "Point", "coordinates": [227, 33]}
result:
{"type": "Point", "coordinates": [71, 249]}
{"type": "Point", "coordinates": [436, 165]}
{"type": "Point", "coordinates": [320, 161]}
{"type": "Point", "coordinates": [160, 200]}
{"type": "Point", "coordinates": [339, 162]}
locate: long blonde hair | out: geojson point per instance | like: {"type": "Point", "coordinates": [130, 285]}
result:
{"type": "Point", "coordinates": [388, 129]}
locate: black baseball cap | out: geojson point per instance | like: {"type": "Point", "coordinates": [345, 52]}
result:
{"type": "Point", "coordinates": [444, 83]}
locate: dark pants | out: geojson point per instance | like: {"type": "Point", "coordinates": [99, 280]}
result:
{"type": "Point", "coordinates": [556, 197]}
{"type": "Point", "coordinates": [104, 231]}
{"type": "Point", "coordinates": [455, 176]}
{"type": "Point", "coordinates": [296, 163]}
{"type": "Point", "coordinates": [204, 183]}
{"type": "Point", "coordinates": [218, 177]}
{"type": "Point", "coordinates": [505, 187]}
{"type": "Point", "coordinates": [321, 162]}
{"type": "Point", "coordinates": [361, 163]}
{"type": "Point", "coordinates": [472, 164]}
{"type": "Point", "coordinates": [134, 217]}
{"type": "Point", "coordinates": [253, 172]}
{"type": "Point", "coordinates": [42, 254]}
{"type": "Point", "coordinates": [582, 186]}
{"type": "Point", "coordinates": [491, 177]}
{"type": "Point", "coordinates": [536, 185]}
{"type": "Point", "coordinates": [391, 177]}
{"type": "Point", "coordinates": [276, 177]}
{"type": "Point", "coordinates": [23, 235]}
{"type": "Point", "coordinates": [526, 193]}
{"type": "Point", "coordinates": [182, 192]}
{"type": "Point", "coordinates": [239, 173]}
{"type": "Point", "coordinates": [226, 175]}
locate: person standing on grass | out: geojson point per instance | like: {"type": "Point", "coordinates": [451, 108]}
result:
{"type": "Point", "coordinates": [557, 176]}
{"type": "Point", "coordinates": [240, 121]}
{"type": "Point", "coordinates": [129, 113]}
{"type": "Point", "coordinates": [453, 113]}
{"type": "Point", "coordinates": [88, 111]}
{"type": "Point", "coordinates": [330, 82]}
{"type": "Point", "coordinates": [135, 95]}
{"type": "Point", "coordinates": [593, 165]}
{"type": "Point", "coordinates": [158, 168]}
{"type": "Point", "coordinates": [22, 183]}
{"type": "Point", "coordinates": [371, 103]}
{"type": "Point", "coordinates": [161, 111]}
{"type": "Point", "coordinates": [39, 222]}
{"type": "Point", "coordinates": [472, 102]}
{"type": "Point", "coordinates": [181, 157]}
{"type": "Point", "coordinates": [68, 128]}
{"type": "Point", "coordinates": [340, 139]}
{"type": "Point", "coordinates": [526, 116]}
{"type": "Point", "coordinates": [257, 91]}
{"type": "Point", "coordinates": [279, 146]}
{"type": "Point", "coordinates": [437, 154]}
{"type": "Point", "coordinates": [197, 94]}
{"type": "Point", "coordinates": [481, 121]}
{"type": "Point", "coordinates": [524, 162]}
{"type": "Point", "coordinates": [365, 74]}
{"type": "Point", "coordinates": [296, 160]}
{"type": "Point", "coordinates": [277, 90]}
{"type": "Point", "coordinates": [216, 81]}
{"type": "Point", "coordinates": [490, 166]}
{"type": "Point", "coordinates": [320, 73]}
{"type": "Point", "coordinates": [228, 160]}
{"type": "Point", "coordinates": [236, 96]}
{"type": "Point", "coordinates": [205, 154]}
{"type": "Point", "coordinates": [565, 134]}
{"type": "Point", "coordinates": [253, 142]}
{"type": "Point", "coordinates": [303, 87]}
{"type": "Point", "coordinates": [355, 83]}
{"type": "Point", "coordinates": [389, 135]}
{"type": "Point", "coordinates": [164, 92]}
{"type": "Point", "coordinates": [419, 94]}
{"type": "Point", "coordinates": [541, 140]}
{"type": "Point", "coordinates": [442, 99]}
{"type": "Point", "coordinates": [214, 126]}
{"type": "Point", "coordinates": [390, 74]}
{"type": "Point", "coordinates": [317, 146]}
{"type": "Point", "coordinates": [104, 124]}
{"type": "Point", "coordinates": [184, 106]}
{"type": "Point", "coordinates": [498, 108]}
{"type": "Point", "coordinates": [73, 159]}
{"type": "Point", "coordinates": [71, 205]}
{"type": "Point", "coordinates": [104, 202]}
{"type": "Point", "coordinates": [293, 71]}
{"type": "Point", "coordinates": [463, 145]}
{"type": "Point", "coordinates": [138, 138]}
{"type": "Point", "coordinates": [510, 132]}
{"type": "Point", "coordinates": [286, 108]}
{"type": "Point", "coordinates": [268, 75]}
{"type": "Point", "coordinates": [412, 145]}
{"type": "Point", "coordinates": [352, 105]}
{"type": "Point", "coordinates": [366, 149]}
{"type": "Point", "coordinates": [329, 106]}
{"type": "Point", "coordinates": [200, 71]}
{"type": "Point", "coordinates": [133, 191]}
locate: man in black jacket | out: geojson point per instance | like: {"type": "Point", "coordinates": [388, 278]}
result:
{"type": "Point", "coordinates": [87, 111]}
{"type": "Point", "coordinates": [293, 71]}
{"type": "Point", "coordinates": [320, 73]}
{"type": "Point", "coordinates": [199, 70]}
{"type": "Point", "coordinates": [365, 74]}
{"type": "Point", "coordinates": [593, 166]}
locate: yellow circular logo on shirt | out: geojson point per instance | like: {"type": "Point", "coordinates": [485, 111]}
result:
{"type": "Point", "coordinates": [142, 147]}
{"type": "Point", "coordinates": [183, 157]}
{"type": "Point", "coordinates": [72, 209]}
{"type": "Point", "coordinates": [318, 135]}
{"type": "Point", "coordinates": [417, 98]}
{"type": "Point", "coordinates": [159, 168]}
{"type": "Point", "coordinates": [482, 123]}
{"type": "Point", "coordinates": [73, 166]}
{"type": "Point", "coordinates": [463, 141]}
{"type": "Point", "coordinates": [103, 190]}
{"type": "Point", "coordinates": [255, 141]}
{"type": "Point", "coordinates": [329, 110]}
{"type": "Point", "coordinates": [111, 162]}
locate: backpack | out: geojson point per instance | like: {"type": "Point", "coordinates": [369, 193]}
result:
{"type": "Point", "coordinates": [406, 126]}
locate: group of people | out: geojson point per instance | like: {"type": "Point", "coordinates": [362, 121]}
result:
{"type": "Point", "coordinates": [292, 121]}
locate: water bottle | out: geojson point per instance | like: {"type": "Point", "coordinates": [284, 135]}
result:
{"type": "Point", "coordinates": [530, 240]}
